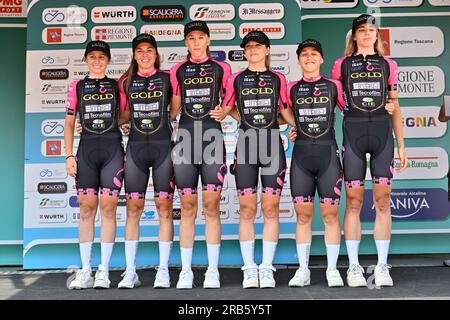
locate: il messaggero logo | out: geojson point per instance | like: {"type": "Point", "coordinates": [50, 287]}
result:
{"type": "Point", "coordinates": [47, 187]}
{"type": "Point", "coordinates": [163, 13]}
{"type": "Point", "coordinates": [54, 74]}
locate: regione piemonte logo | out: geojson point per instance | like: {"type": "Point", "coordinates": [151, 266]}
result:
{"type": "Point", "coordinates": [120, 14]}
{"type": "Point", "coordinates": [113, 33]}
{"type": "Point", "coordinates": [420, 82]}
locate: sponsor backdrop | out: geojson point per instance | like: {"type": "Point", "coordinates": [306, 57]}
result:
{"type": "Point", "coordinates": [56, 39]}
{"type": "Point", "coordinates": [13, 33]}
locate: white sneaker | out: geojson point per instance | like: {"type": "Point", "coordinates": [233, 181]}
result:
{"type": "Point", "coordinates": [101, 278]}
{"type": "Point", "coordinates": [250, 276]}
{"type": "Point", "coordinates": [266, 279]}
{"type": "Point", "coordinates": [130, 280]}
{"type": "Point", "coordinates": [301, 278]}
{"type": "Point", "coordinates": [83, 280]}
{"type": "Point", "coordinates": [162, 278]}
{"type": "Point", "coordinates": [355, 277]}
{"type": "Point", "coordinates": [382, 276]}
{"type": "Point", "coordinates": [212, 279]}
{"type": "Point", "coordinates": [186, 279]}
{"type": "Point", "coordinates": [334, 278]}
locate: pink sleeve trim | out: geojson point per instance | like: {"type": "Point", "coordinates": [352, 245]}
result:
{"type": "Point", "coordinates": [226, 74]}
{"type": "Point", "coordinates": [176, 88]}
{"type": "Point", "coordinates": [393, 74]}
{"type": "Point", "coordinates": [340, 102]}
{"type": "Point", "coordinates": [123, 96]}
{"type": "Point", "coordinates": [282, 102]}
{"type": "Point", "coordinates": [289, 88]}
{"type": "Point", "coordinates": [72, 99]}
{"type": "Point", "coordinates": [230, 95]}
{"type": "Point", "coordinates": [336, 71]}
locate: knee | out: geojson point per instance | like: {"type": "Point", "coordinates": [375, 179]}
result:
{"type": "Point", "coordinates": [211, 209]}
{"type": "Point", "coordinates": [164, 211]}
{"type": "Point", "coordinates": [247, 212]}
{"type": "Point", "coordinates": [270, 211]}
{"type": "Point", "coordinates": [189, 210]}
{"type": "Point", "coordinates": [109, 212]}
{"type": "Point", "coordinates": [354, 205]}
{"type": "Point", "coordinates": [330, 219]}
{"type": "Point", "coordinates": [382, 203]}
{"type": "Point", "coordinates": [134, 212]}
{"type": "Point", "coordinates": [87, 211]}
{"type": "Point", "coordinates": [304, 218]}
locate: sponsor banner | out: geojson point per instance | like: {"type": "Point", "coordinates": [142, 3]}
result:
{"type": "Point", "coordinates": [230, 143]}
{"type": "Point", "coordinates": [219, 55]}
{"type": "Point", "coordinates": [50, 217]}
{"type": "Point", "coordinates": [55, 61]}
{"type": "Point", "coordinates": [64, 35]}
{"type": "Point", "coordinates": [149, 214]}
{"type": "Point", "coordinates": [279, 56]}
{"type": "Point", "coordinates": [439, 3]}
{"type": "Point", "coordinates": [47, 173]}
{"type": "Point", "coordinates": [120, 58]}
{"type": "Point", "coordinates": [54, 187]}
{"type": "Point", "coordinates": [112, 73]}
{"type": "Point", "coordinates": [113, 33]}
{"type": "Point", "coordinates": [49, 88]}
{"type": "Point", "coordinates": [229, 125]}
{"type": "Point", "coordinates": [420, 82]}
{"type": "Point", "coordinates": [52, 148]}
{"type": "Point", "coordinates": [13, 8]}
{"type": "Point", "coordinates": [163, 13]}
{"type": "Point", "coordinates": [423, 164]}
{"type": "Point", "coordinates": [54, 74]}
{"type": "Point", "coordinates": [175, 57]}
{"type": "Point", "coordinates": [236, 55]}
{"type": "Point", "coordinates": [393, 3]}
{"type": "Point", "coordinates": [52, 128]}
{"type": "Point", "coordinates": [422, 122]}
{"type": "Point", "coordinates": [222, 31]}
{"type": "Point", "coordinates": [261, 11]}
{"type": "Point", "coordinates": [165, 32]}
{"type": "Point", "coordinates": [120, 14]}
{"type": "Point", "coordinates": [53, 103]}
{"type": "Point", "coordinates": [411, 204]}
{"type": "Point", "coordinates": [51, 203]}
{"type": "Point", "coordinates": [212, 12]}
{"type": "Point", "coordinates": [274, 30]}
{"type": "Point", "coordinates": [327, 4]}
{"type": "Point", "coordinates": [411, 42]}
{"type": "Point", "coordinates": [281, 69]}
{"type": "Point", "coordinates": [73, 15]}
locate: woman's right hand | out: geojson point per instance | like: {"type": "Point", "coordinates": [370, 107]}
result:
{"type": "Point", "coordinates": [78, 128]}
{"type": "Point", "coordinates": [71, 167]}
{"type": "Point", "coordinates": [292, 134]}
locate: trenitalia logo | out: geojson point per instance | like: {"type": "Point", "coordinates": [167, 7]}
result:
{"type": "Point", "coordinates": [45, 187]}
{"type": "Point", "coordinates": [357, 75]}
{"type": "Point", "coordinates": [120, 14]}
{"type": "Point", "coordinates": [211, 12]}
{"type": "Point", "coordinates": [54, 74]}
{"type": "Point", "coordinates": [47, 203]}
{"type": "Point", "coordinates": [163, 13]}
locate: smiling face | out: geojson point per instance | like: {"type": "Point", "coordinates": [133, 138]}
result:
{"type": "Point", "coordinates": [97, 62]}
{"type": "Point", "coordinates": [197, 43]}
{"type": "Point", "coordinates": [255, 52]}
{"type": "Point", "coordinates": [310, 60]}
{"type": "Point", "coordinates": [145, 55]}
{"type": "Point", "coordinates": [366, 36]}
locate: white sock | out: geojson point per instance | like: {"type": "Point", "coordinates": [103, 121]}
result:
{"type": "Point", "coordinates": [165, 247]}
{"type": "Point", "coordinates": [247, 251]}
{"type": "Point", "coordinates": [332, 255]}
{"type": "Point", "coordinates": [382, 250]}
{"type": "Point", "coordinates": [213, 255]}
{"type": "Point", "coordinates": [106, 249]}
{"type": "Point", "coordinates": [85, 253]}
{"type": "Point", "coordinates": [268, 252]}
{"type": "Point", "coordinates": [186, 258]}
{"type": "Point", "coordinates": [303, 250]}
{"type": "Point", "coordinates": [352, 251]}
{"type": "Point", "coordinates": [130, 253]}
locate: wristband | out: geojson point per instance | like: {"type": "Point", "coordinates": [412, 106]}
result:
{"type": "Point", "coordinates": [69, 156]}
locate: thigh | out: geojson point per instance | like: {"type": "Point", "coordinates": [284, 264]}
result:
{"type": "Point", "coordinates": [112, 172]}
{"type": "Point", "coordinates": [163, 175]}
{"type": "Point", "coordinates": [329, 182]}
{"type": "Point", "coordinates": [354, 154]}
{"type": "Point", "coordinates": [87, 179]}
{"type": "Point", "coordinates": [136, 179]}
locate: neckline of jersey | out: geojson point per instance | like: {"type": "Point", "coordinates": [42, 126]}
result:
{"type": "Point", "coordinates": [313, 79]}
{"type": "Point", "coordinates": [199, 61]}
{"type": "Point", "coordinates": [146, 75]}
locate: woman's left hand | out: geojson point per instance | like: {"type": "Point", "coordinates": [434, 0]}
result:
{"type": "Point", "coordinates": [403, 159]}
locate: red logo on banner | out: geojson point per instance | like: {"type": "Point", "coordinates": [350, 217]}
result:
{"type": "Point", "coordinates": [100, 34]}
{"type": "Point", "coordinates": [96, 14]}
{"type": "Point", "coordinates": [53, 148]}
{"type": "Point", "coordinates": [386, 39]}
{"type": "Point", "coordinates": [54, 35]}
{"type": "Point", "coordinates": [11, 6]}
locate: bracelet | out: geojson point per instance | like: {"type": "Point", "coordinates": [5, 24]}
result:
{"type": "Point", "coordinates": [69, 156]}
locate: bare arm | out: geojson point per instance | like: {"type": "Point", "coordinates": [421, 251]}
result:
{"type": "Point", "coordinates": [71, 164]}
{"type": "Point", "coordinates": [175, 106]}
{"type": "Point", "coordinates": [442, 116]}
{"type": "Point", "coordinates": [288, 116]}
